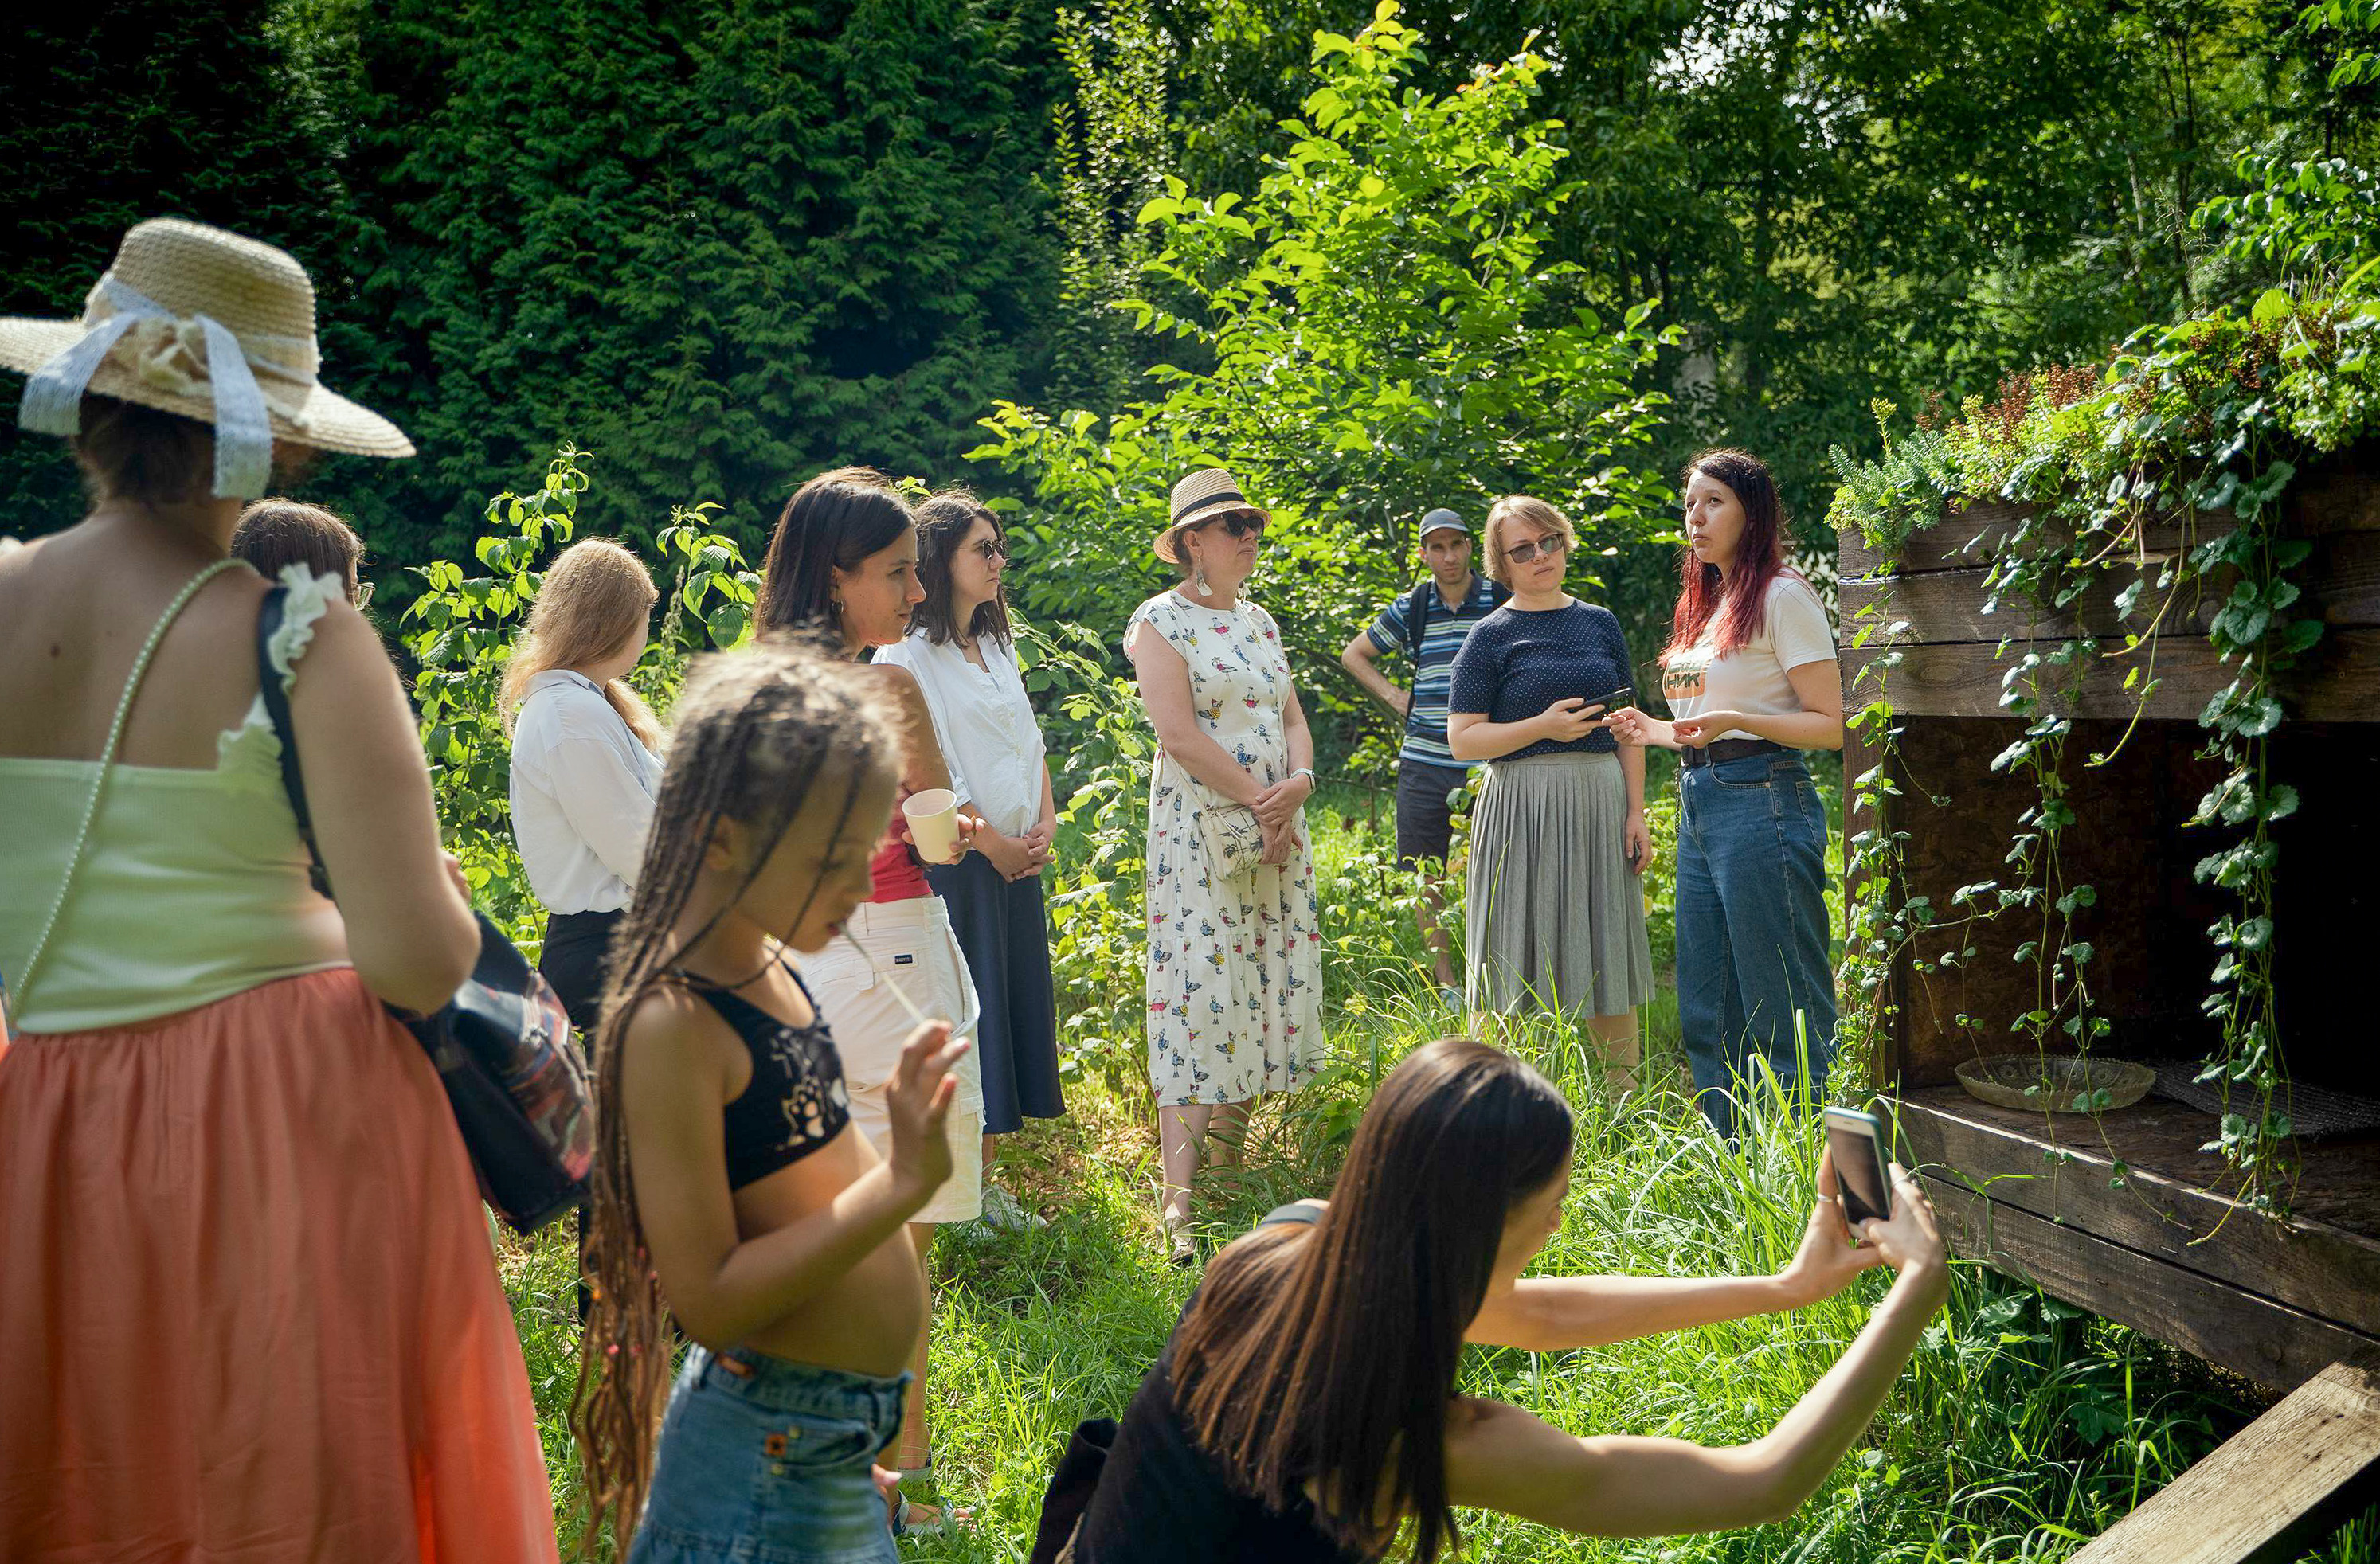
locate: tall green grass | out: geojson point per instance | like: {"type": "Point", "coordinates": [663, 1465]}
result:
{"type": "Point", "coordinates": [2022, 1428]}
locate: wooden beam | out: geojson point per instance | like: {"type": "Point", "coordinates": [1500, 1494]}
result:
{"type": "Point", "coordinates": [2328, 1271]}
{"type": "Point", "coordinates": [2342, 579]}
{"type": "Point", "coordinates": [2268, 1342]}
{"type": "Point", "coordinates": [2272, 1490]}
{"type": "Point", "coordinates": [2338, 493]}
{"type": "Point", "coordinates": [2341, 684]}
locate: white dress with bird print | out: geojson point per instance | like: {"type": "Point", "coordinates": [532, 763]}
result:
{"type": "Point", "coordinates": [1235, 961]}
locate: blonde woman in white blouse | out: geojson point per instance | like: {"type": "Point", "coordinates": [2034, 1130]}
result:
{"type": "Point", "coordinates": [585, 769]}
{"type": "Point", "coordinates": [959, 649]}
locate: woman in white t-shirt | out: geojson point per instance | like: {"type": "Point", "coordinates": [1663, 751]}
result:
{"type": "Point", "coordinates": [1750, 681]}
{"type": "Point", "coordinates": [960, 648]}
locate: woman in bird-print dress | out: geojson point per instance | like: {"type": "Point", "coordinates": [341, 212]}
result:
{"type": "Point", "coordinates": [1235, 933]}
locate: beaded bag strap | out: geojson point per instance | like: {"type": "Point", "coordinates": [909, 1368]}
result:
{"type": "Point", "coordinates": [106, 762]}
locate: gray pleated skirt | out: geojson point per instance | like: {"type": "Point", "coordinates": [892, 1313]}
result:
{"type": "Point", "coordinates": [1554, 920]}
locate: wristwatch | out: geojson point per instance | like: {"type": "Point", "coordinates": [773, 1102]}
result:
{"type": "Point", "coordinates": [1308, 772]}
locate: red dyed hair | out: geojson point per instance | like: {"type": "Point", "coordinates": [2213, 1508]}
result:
{"type": "Point", "coordinates": [1738, 598]}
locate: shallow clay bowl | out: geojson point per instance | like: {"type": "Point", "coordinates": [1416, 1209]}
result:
{"type": "Point", "coordinates": [2056, 1080]}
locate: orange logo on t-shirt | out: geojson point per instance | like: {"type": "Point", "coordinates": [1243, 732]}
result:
{"type": "Point", "coordinates": [1682, 679]}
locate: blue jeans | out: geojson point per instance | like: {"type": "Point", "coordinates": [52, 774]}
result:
{"type": "Point", "coordinates": [1752, 925]}
{"type": "Point", "coordinates": [761, 1459]}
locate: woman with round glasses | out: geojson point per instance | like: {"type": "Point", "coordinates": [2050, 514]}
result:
{"type": "Point", "coordinates": [1235, 934]}
{"type": "Point", "coordinates": [1552, 904]}
{"type": "Point", "coordinates": [959, 648]}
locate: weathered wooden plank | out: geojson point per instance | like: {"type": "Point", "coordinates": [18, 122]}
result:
{"type": "Point", "coordinates": [2272, 1490]}
{"type": "Point", "coordinates": [2341, 493]}
{"type": "Point", "coordinates": [2342, 581]}
{"type": "Point", "coordinates": [2269, 1343]}
{"type": "Point", "coordinates": [2339, 684]}
{"type": "Point", "coordinates": [2166, 1209]}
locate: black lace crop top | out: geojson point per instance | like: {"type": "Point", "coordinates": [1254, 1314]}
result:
{"type": "Point", "coordinates": [797, 1102]}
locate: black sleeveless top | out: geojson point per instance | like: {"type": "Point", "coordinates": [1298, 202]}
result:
{"type": "Point", "coordinates": [1162, 1501]}
{"type": "Point", "coordinates": [796, 1102]}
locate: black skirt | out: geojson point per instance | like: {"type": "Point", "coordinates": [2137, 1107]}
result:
{"type": "Point", "coordinates": [1004, 927]}
{"type": "Point", "coordinates": [577, 946]}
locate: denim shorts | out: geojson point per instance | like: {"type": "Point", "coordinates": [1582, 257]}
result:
{"type": "Point", "coordinates": [764, 1461]}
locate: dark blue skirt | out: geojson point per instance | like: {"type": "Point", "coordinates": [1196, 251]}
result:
{"type": "Point", "coordinates": [1004, 927]}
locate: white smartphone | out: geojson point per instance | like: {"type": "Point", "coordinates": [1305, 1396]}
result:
{"type": "Point", "coordinates": [1862, 1180]}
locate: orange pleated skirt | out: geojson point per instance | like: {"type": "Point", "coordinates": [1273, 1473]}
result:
{"type": "Point", "coordinates": [248, 1312]}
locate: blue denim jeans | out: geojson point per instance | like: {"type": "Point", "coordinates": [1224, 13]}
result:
{"type": "Point", "coordinates": [1752, 925]}
{"type": "Point", "coordinates": [765, 1462]}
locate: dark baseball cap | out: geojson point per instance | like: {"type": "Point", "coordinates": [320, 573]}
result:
{"type": "Point", "coordinates": [1439, 520]}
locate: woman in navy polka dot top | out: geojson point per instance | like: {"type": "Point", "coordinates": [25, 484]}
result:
{"type": "Point", "coordinates": [1553, 904]}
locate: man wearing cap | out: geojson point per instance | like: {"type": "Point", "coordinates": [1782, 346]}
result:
{"type": "Point", "coordinates": [1428, 626]}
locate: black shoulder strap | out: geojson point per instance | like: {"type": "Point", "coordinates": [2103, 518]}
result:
{"type": "Point", "coordinates": [1417, 619]}
{"type": "Point", "coordinates": [277, 705]}
{"type": "Point", "coordinates": [1302, 1213]}
{"type": "Point", "coordinates": [1497, 592]}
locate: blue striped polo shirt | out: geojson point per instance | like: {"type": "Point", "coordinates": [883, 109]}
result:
{"type": "Point", "coordinates": [1443, 633]}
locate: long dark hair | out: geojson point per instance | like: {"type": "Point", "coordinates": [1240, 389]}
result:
{"type": "Point", "coordinates": [943, 523]}
{"type": "Point", "coordinates": [756, 733]}
{"type": "Point", "coordinates": [1743, 589]}
{"type": "Point", "coordinates": [1333, 1360]}
{"type": "Point", "coordinates": [837, 518]}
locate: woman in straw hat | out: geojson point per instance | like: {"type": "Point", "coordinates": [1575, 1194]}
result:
{"type": "Point", "coordinates": [251, 1309]}
{"type": "Point", "coordinates": [1235, 934]}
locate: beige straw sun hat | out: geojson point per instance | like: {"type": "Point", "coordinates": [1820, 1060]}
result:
{"type": "Point", "coordinates": [1206, 495]}
{"type": "Point", "coordinates": [202, 323]}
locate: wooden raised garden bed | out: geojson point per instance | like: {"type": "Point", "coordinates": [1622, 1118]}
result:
{"type": "Point", "coordinates": [2122, 1213]}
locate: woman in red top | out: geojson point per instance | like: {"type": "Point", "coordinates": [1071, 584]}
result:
{"type": "Point", "coordinates": [843, 561]}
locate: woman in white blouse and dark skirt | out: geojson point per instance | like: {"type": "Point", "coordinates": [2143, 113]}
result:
{"type": "Point", "coordinates": [584, 769]}
{"type": "Point", "coordinates": [958, 649]}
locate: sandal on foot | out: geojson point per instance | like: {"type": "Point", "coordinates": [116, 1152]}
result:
{"type": "Point", "coordinates": [912, 1518]}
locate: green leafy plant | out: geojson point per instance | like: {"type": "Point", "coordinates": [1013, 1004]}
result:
{"type": "Point", "coordinates": [1380, 325]}
{"type": "Point", "coordinates": [2210, 418]}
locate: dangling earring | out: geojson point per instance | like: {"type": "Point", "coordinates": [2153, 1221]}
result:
{"type": "Point", "coordinates": [1198, 578]}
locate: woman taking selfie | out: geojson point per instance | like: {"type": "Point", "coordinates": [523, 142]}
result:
{"type": "Point", "coordinates": [1305, 1408]}
{"type": "Point", "coordinates": [844, 562]}
{"type": "Point", "coordinates": [1750, 681]}
{"type": "Point", "coordinates": [1234, 974]}
{"type": "Point", "coordinates": [1553, 899]}
{"type": "Point", "coordinates": [958, 649]}
{"type": "Point", "coordinates": [250, 1307]}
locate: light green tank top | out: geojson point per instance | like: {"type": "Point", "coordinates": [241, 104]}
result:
{"type": "Point", "coordinates": [193, 885]}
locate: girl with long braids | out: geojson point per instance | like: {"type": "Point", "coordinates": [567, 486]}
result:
{"type": "Point", "coordinates": [732, 1192]}
{"type": "Point", "coordinates": [1752, 682]}
{"type": "Point", "coordinates": [843, 561]}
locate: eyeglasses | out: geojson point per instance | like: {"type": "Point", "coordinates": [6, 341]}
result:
{"type": "Point", "coordinates": [1522, 553]}
{"type": "Point", "coordinates": [1239, 525]}
{"type": "Point", "coordinates": [992, 549]}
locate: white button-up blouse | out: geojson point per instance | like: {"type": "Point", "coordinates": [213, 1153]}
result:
{"type": "Point", "coordinates": [984, 722]}
{"type": "Point", "coordinates": [583, 791]}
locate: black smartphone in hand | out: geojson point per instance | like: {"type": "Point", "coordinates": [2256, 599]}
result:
{"type": "Point", "coordinates": [1862, 1179]}
{"type": "Point", "coordinates": [1612, 702]}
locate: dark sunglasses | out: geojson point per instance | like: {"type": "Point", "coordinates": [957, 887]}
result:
{"type": "Point", "coordinates": [992, 549]}
{"type": "Point", "coordinates": [1239, 525]}
{"type": "Point", "coordinates": [1522, 553]}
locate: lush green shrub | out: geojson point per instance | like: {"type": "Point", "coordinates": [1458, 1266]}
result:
{"type": "Point", "coordinates": [1378, 328]}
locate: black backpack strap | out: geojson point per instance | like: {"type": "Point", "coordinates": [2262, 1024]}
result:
{"type": "Point", "coordinates": [277, 705]}
{"type": "Point", "coordinates": [1416, 620]}
{"type": "Point", "coordinates": [1498, 593]}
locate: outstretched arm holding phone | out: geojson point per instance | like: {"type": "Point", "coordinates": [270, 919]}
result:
{"type": "Point", "coordinates": [1559, 1314]}
{"type": "Point", "coordinates": [1499, 1457]}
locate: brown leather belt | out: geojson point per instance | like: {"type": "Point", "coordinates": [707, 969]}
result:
{"type": "Point", "coordinates": [1727, 749]}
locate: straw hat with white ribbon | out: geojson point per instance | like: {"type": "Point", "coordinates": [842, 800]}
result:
{"type": "Point", "coordinates": [202, 323]}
